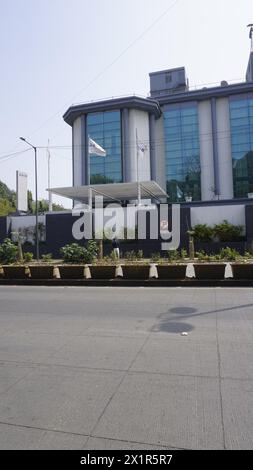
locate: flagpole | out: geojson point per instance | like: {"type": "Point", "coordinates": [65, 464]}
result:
{"type": "Point", "coordinates": [138, 178]}
{"type": "Point", "coordinates": [50, 208]}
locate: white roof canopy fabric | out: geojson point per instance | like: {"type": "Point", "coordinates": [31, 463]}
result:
{"type": "Point", "coordinates": [115, 191]}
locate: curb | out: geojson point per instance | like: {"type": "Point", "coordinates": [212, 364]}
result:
{"type": "Point", "coordinates": [129, 282]}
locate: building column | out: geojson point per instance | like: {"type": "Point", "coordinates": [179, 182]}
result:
{"type": "Point", "coordinates": [152, 147]}
{"type": "Point", "coordinates": [206, 151]}
{"type": "Point", "coordinates": [225, 165]}
{"type": "Point", "coordinates": [215, 148]}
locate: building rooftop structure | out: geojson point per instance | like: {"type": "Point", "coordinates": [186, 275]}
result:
{"type": "Point", "coordinates": [196, 143]}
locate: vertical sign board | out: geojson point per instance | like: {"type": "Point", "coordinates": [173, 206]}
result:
{"type": "Point", "coordinates": [21, 188]}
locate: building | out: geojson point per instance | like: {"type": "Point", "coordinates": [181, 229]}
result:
{"type": "Point", "coordinates": [197, 144]}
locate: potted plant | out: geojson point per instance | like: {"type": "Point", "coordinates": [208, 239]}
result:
{"type": "Point", "coordinates": [207, 268]}
{"type": "Point", "coordinates": [71, 271]}
{"type": "Point", "coordinates": [134, 267]}
{"type": "Point", "coordinates": [15, 271]}
{"type": "Point", "coordinates": [75, 257]}
{"type": "Point", "coordinates": [243, 269]}
{"type": "Point", "coordinates": [172, 267]}
{"type": "Point", "coordinates": [9, 253]}
{"type": "Point", "coordinates": [104, 269]}
{"type": "Point", "coordinates": [44, 270]}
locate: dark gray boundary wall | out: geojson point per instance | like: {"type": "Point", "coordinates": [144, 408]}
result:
{"type": "Point", "coordinates": [59, 233]}
{"type": "Point", "coordinates": [249, 226]}
{"type": "Point", "coordinates": [3, 228]}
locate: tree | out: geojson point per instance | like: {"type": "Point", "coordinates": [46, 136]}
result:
{"type": "Point", "coordinates": [5, 207]}
{"type": "Point", "coordinates": [7, 200]}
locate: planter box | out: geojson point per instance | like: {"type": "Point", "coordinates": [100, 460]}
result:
{"type": "Point", "coordinates": [102, 272]}
{"type": "Point", "coordinates": [209, 271]}
{"type": "Point", "coordinates": [174, 271]}
{"type": "Point", "coordinates": [14, 272]}
{"type": "Point", "coordinates": [42, 271]}
{"type": "Point", "coordinates": [71, 271]}
{"type": "Point", "coordinates": [135, 271]}
{"type": "Point", "coordinates": [242, 271]}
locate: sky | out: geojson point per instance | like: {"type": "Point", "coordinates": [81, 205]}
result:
{"type": "Point", "coordinates": [58, 52]}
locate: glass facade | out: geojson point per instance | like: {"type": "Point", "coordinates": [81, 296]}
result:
{"type": "Point", "coordinates": [241, 124]}
{"type": "Point", "coordinates": [182, 154]}
{"type": "Point", "coordinates": [105, 129]}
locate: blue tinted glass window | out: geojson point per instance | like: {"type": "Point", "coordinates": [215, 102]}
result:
{"type": "Point", "coordinates": [241, 123]}
{"type": "Point", "coordinates": [181, 135]}
{"type": "Point", "coordinates": [105, 129]}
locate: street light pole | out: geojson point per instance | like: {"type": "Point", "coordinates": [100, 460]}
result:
{"type": "Point", "coordinates": [36, 199]}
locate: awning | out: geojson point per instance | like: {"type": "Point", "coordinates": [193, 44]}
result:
{"type": "Point", "coordinates": [115, 191]}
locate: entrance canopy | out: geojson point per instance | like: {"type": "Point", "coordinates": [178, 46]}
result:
{"type": "Point", "coordinates": [115, 191]}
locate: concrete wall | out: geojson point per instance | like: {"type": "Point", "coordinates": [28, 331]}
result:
{"type": "Point", "coordinates": [224, 149]}
{"type": "Point", "coordinates": [235, 214]}
{"type": "Point", "coordinates": [77, 152]}
{"type": "Point", "coordinates": [25, 221]}
{"type": "Point", "coordinates": [25, 225]}
{"type": "Point", "coordinates": [206, 151]}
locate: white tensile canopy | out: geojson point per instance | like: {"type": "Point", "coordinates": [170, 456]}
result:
{"type": "Point", "coordinates": [115, 191]}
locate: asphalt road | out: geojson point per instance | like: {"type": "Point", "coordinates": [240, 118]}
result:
{"type": "Point", "coordinates": [108, 368]}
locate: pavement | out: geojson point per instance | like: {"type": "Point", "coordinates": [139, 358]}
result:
{"type": "Point", "coordinates": [108, 368]}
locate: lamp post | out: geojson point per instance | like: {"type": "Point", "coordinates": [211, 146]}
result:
{"type": "Point", "coordinates": [36, 198]}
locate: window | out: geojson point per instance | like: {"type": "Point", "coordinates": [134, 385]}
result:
{"type": "Point", "coordinates": [182, 153]}
{"type": "Point", "coordinates": [168, 78]}
{"type": "Point", "coordinates": [241, 123]}
{"type": "Point", "coordinates": [105, 129]}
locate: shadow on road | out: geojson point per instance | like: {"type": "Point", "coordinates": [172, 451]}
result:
{"type": "Point", "coordinates": [167, 321]}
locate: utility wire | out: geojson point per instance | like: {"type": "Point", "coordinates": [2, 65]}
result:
{"type": "Point", "coordinates": [11, 155]}
{"type": "Point", "coordinates": [185, 138]}
{"type": "Point", "coordinates": [108, 66]}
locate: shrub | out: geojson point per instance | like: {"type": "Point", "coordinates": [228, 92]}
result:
{"type": "Point", "coordinates": [75, 253]}
{"type": "Point", "coordinates": [91, 251]}
{"type": "Point", "coordinates": [203, 232]}
{"type": "Point", "coordinates": [173, 255]}
{"type": "Point", "coordinates": [139, 254]}
{"type": "Point", "coordinates": [227, 232]}
{"type": "Point", "coordinates": [28, 257]}
{"type": "Point", "coordinates": [229, 254]}
{"type": "Point", "coordinates": [184, 254]}
{"type": "Point", "coordinates": [130, 255]}
{"type": "Point", "coordinates": [8, 252]}
{"type": "Point", "coordinates": [155, 257]}
{"type": "Point", "coordinates": [202, 256]}
{"type": "Point", "coordinates": [47, 258]}
{"type": "Point", "coordinates": [113, 257]}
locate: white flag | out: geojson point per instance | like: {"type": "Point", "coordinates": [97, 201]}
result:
{"type": "Point", "coordinates": [141, 147]}
{"type": "Point", "coordinates": [95, 149]}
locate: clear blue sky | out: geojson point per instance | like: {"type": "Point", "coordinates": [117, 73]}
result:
{"type": "Point", "coordinates": [52, 49]}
